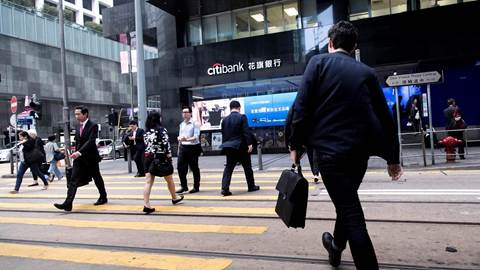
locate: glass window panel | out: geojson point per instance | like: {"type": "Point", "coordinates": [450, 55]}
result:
{"type": "Point", "coordinates": [398, 6]}
{"type": "Point", "coordinates": [291, 16]}
{"type": "Point", "coordinates": [380, 8]}
{"type": "Point", "coordinates": [87, 19]}
{"type": "Point", "coordinates": [209, 30]}
{"type": "Point", "coordinates": [309, 13]}
{"type": "Point", "coordinates": [225, 31]}
{"type": "Point", "coordinates": [436, 3]}
{"type": "Point", "coordinates": [194, 37]}
{"type": "Point", "coordinates": [275, 19]}
{"type": "Point", "coordinates": [257, 22]}
{"type": "Point", "coordinates": [241, 24]}
{"type": "Point", "coordinates": [87, 4]}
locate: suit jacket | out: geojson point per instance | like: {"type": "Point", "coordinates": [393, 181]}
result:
{"type": "Point", "coordinates": [85, 144]}
{"type": "Point", "coordinates": [341, 111]}
{"type": "Point", "coordinates": [235, 132]}
{"type": "Point", "coordinates": [139, 143]}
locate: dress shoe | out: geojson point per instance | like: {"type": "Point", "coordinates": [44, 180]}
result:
{"type": "Point", "coordinates": [63, 206]}
{"type": "Point", "coordinates": [194, 190]}
{"type": "Point", "coordinates": [33, 185]}
{"type": "Point", "coordinates": [334, 254]}
{"type": "Point", "coordinates": [254, 188]}
{"type": "Point", "coordinates": [139, 175]}
{"type": "Point", "coordinates": [182, 190]}
{"type": "Point", "coordinates": [226, 193]}
{"type": "Point", "coordinates": [147, 210]}
{"type": "Point", "coordinates": [315, 179]}
{"type": "Point", "coordinates": [177, 200]}
{"type": "Point", "coordinates": [14, 192]}
{"type": "Point", "coordinates": [101, 201]}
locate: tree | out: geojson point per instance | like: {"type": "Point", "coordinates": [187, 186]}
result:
{"type": "Point", "coordinates": [94, 26]}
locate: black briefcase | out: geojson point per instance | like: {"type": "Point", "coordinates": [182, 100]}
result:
{"type": "Point", "coordinates": [292, 198]}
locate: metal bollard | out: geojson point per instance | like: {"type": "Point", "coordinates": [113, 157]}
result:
{"type": "Point", "coordinates": [129, 158]}
{"type": "Point", "coordinates": [259, 153]}
{"type": "Point", "coordinates": [11, 162]}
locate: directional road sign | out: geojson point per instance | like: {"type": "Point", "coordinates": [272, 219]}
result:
{"type": "Point", "coordinates": [414, 78]}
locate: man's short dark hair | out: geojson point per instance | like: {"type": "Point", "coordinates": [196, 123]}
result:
{"type": "Point", "coordinates": [133, 122]}
{"type": "Point", "coordinates": [83, 109]}
{"type": "Point", "coordinates": [343, 35]}
{"type": "Point", "coordinates": [188, 108]}
{"type": "Point", "coordinates": [234, 105]}
{"type": "Point", "coordinates": [451, 101]}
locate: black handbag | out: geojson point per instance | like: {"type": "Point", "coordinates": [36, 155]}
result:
{"type": "Point", "coordinates": [35, 156]}
{"type": "Point", "coordinates": [58, 155]}
{"type": "Point", "coordinates": [161, 167]}
{"type": "Point", "coordinates": [292, 198]}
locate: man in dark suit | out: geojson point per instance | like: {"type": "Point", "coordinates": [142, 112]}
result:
{"type": "Point", "coordinates": [454, 121]}
{"type": "Point", "coordinates": [137, 146]}
{"type": "Point", "coordinates": [341, 112]}
{"type": "Point", "coordinates": [237, 145]}
{"type": "Point", "coordinates": [85, 160]}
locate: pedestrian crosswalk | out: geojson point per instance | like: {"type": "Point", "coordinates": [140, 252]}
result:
{"type": "Point", "coordinates": [114, 258]}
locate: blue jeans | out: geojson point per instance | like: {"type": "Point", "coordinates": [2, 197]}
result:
{"type": "Point", "coordinates": [22, 168]}
{"type": "Point", "coordinates": [54, 169]}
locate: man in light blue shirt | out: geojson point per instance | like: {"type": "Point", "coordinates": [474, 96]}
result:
{"type": "Point", "coordinates": [189, 151]}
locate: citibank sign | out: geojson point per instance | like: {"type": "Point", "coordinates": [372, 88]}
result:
{"type": "Point", "coordinates": [219, 69]}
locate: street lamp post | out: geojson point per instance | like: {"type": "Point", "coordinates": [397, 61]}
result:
{"type": "Point", "coordinates": [141, 95]}
{"type": "Point", "coordinates": [65, 118]}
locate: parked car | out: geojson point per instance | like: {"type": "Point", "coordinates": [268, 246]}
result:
{"type": "Point", "coordinates": [105, 148]}
{"type": "Point", "coordinates": [5, 152]}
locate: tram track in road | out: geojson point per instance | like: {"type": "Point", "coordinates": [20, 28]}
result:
{"type": "Point", "coordinates": [259, 217]}
{"type": "Point", "coordinates": [214, 254]}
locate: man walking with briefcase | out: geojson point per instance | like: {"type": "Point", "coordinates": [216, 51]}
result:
{"type": "Point", "coordinates": [341, 112]}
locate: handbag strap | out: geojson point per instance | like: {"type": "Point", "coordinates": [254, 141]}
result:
{"type": "Point", "coordinates": [297, 168]}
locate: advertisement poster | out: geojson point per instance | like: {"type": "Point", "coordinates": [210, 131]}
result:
{"type": "Point", "coordinates": [210, 113]}
{"type": "Point", "coordinates": [216, 141]}
{"type": "Point", "coordinates": [268, 110]}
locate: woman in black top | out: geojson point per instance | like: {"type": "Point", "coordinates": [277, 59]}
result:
{"type": "Point", "coordinates": [157, 150]}
{"type": "Point", "coordinates": [30, 157]}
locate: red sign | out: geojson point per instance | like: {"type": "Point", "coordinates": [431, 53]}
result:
{"type": "Point", "coordinates": [13, 104]}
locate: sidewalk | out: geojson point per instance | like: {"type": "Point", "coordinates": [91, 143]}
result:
{"type": "Point", "coordinates": [278, 162]}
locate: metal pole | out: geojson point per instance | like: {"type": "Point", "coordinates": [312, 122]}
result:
{"type": "Point", "coordinates": [129, 158]}
{"type": "Point", "coordinates": [432, 147]}
{"type": "Point", "coordinates": [12, 166]}
{"type": "Point", "coordinates": [399, 125]}
{"type": "Point", "coordinates": [260, 160]}
{"type": "Point", "coordinates": [130, 73]}
{"type": "Point", "coordinates": [141, 92]}
{"type": "Point", "coordinates": [16, 142]}
{"type": "Point", "coordinates": [65, 117]}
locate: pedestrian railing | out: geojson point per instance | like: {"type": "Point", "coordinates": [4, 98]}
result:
{"type": "Point", "coordinates": [32, 25]}
{"type": "Point", "coordinates": [428, 145]}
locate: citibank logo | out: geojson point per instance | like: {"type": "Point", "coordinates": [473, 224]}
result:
{"type": "Point", "coordinates": [218, 69]}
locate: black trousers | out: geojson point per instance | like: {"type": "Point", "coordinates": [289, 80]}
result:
{"type": "Point", "coordinates": [342, 180]}
{"type": "Point", "coordinates": [233, 157]}
{"type": "Point", "coordinates": [138, 155]}
{"type": "Point", "coordinates": [188, 157]}
{"type": "Point", "coordinates": [312, 159]}
{"type": "Point", "coordinates": [94, 170]}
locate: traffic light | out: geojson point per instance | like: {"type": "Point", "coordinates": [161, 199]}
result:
{"type": "Point", "coordinates": [113, 119]}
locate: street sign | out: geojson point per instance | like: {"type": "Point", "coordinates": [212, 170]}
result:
{"type": "Point", "coordinates": [25, 121]}
{"type": "Point", "coordinates": [13, 104]}
{"type": "Point", "coordinates": [414, 78]}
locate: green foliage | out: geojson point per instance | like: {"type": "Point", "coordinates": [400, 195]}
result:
{"type": "Point", "coordinates": [94, 26]}
{"type": "Point", "coordinates": [25, 3]}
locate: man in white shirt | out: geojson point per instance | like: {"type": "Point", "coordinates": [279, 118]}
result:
{"type": "Point", "coordinates": [189, 151]}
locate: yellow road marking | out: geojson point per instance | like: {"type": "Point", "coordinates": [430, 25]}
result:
{"type": "Point", "coordinates": [142, 226]}
{"type": "Point", "coordinates": [115, 258]}
{"type": "Point", "coordinates": [138, 208]}
{"type": "Point", "coordinates": [140, 197]}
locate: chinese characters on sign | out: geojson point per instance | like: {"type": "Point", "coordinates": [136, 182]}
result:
{"type": "Point", "coordinates": [268, 110]}
{"type": "Point", "coordinates": [266, 64]}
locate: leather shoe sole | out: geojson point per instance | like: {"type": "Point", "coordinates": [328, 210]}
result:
{"type": "Point", "coordinates": [101, 202]}
{"type": "Point", "coordinates": [62, 206]}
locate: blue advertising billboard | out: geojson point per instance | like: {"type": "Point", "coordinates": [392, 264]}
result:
{"type": "Point", "coordinates": [268, 110]}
